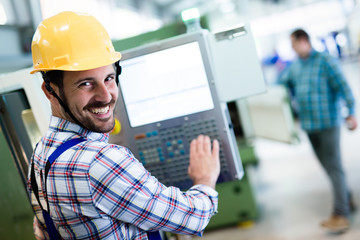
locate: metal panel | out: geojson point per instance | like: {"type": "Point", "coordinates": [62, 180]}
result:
{"type": "Point", "coordinates": [11, 106]}
{"type": "Point", "coordinates": [238, 69]}
{"type": "Point", "coordinates": [16, 213]}
{"type": "Point", "coordinates": [237, 204]}
{"type": "Point", "coordinates": [271, 116]}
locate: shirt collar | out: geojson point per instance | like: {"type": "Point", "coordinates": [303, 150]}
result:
{"type": "Point", "coordinates": [312, 53]}
{"type": "Point", "coordinates": [62, 125]}
{"type": "Point", "coordinates": [311, 56]}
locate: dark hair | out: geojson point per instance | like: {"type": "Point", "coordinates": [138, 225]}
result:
{"type": "Point", "coordinates": [300, 34]}
{"type": "Point", "coordinates": [55, 77]}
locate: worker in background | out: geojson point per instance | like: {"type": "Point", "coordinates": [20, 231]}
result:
{"type": "Point", "coordinates": [97, 190]}
{"type": "Point", "coordinates": [318, 86]}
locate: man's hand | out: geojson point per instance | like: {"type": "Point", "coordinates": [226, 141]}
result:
{"type": "Point", "coordinates": [204, 167]}
{"type": "Point", "coordinates": [351, 122]}
{"type": "Point", "coordinates": [38, 231]}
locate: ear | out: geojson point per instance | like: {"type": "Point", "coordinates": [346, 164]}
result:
{"type": "Point", "coordinates": [48, 95]}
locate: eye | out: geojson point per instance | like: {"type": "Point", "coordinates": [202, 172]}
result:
{"type": "Point", "coordinates": [110, 78]}
{"type": "Point", "coordinates": [85, 84]}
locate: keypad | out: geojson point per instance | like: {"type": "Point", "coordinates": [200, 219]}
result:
{"type": "Point", "coordinates": [165, 153]}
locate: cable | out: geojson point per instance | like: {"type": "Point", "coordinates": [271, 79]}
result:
{"type": "Point", "coordinates": [52, 92]}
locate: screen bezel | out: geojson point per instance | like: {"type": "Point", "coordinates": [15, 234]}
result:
{"type": "Point", "coordinates": [170, 43]}
{"type": "Point", "coordinates": [173, 84]}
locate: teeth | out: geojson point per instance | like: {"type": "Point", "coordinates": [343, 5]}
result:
{"type": "Point", "coordinates": [100, 110]}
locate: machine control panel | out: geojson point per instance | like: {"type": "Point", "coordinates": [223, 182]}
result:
{"type": "Point", "coordinates": [167, 97]}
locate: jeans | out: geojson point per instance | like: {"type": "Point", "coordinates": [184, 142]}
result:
{"type": "Point", "coordinates": [326, 144]}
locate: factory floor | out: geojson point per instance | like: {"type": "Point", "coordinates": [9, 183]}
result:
{"type": "Point", "coordinates": [293, 192]}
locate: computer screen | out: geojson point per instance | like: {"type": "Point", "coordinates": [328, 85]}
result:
{"type": "Point", "coordinates": [165, 84]}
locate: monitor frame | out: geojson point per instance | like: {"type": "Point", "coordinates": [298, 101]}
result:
{"type": "Point", "coordinates": [204, 46]}
{"type": "Point", "coordinates": [162, 84]}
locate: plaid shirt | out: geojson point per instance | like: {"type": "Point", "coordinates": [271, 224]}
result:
{"type": "Point", "coordinates": [318, 86]}
{"type": "Point", "coordinates": [98, 190]}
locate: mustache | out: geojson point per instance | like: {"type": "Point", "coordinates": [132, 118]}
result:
{"type": "Point", "coordinates": [97, 104]}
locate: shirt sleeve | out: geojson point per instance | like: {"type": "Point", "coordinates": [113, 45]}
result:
{"type": "Point", "coordinates": [123, 189]}
{"type": "Point", "coordinates": [284, 77]}
{"type": "Point", "coordinates": [339, 84]}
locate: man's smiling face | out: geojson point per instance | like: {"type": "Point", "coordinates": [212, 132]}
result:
{"type": "Point", "coordinates": [91, 96]}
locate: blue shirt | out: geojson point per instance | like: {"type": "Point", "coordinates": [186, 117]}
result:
{"type": "Point", "coordinates": [318, 86]}
{"type": "Point", "coordinates": [98, 190]}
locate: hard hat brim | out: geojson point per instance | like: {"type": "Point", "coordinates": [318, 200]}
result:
{"type": "Point", "coordinates": [116, 56]}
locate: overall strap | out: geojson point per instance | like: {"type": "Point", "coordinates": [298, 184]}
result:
{"type": "Point", "coordinates": [53, 233]}
{"type": "Point", "coordinates": [66, 145]}
{"type": "Point", "coordinates": [154, 235]}
{"type": "Point", "coordinates": [63, 147]}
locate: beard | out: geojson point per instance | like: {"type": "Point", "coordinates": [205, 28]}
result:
{"type": "Point", "coordinates": [87, 122]}
{"type": "Point", "coordinates": [91, 126]}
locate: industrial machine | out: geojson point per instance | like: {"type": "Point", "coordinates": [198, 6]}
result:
{"type": "Point", "coordinates": [24, 117]}
{"type": "Point", "coordinates": [167, 98]}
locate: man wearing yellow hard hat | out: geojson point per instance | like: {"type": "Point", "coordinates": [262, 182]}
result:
{"type": "Point", "coordinates": [81, 186]}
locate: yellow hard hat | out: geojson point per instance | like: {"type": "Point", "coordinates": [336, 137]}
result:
{"type": "Point", "coordinates": [71, 41]}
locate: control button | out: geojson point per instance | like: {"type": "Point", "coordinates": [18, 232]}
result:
{"type": "Point", "coordinates": [117, 127]}
{"type": "Point", "coordinates": [139, 136]}
{"type": "Point", "coordinates": [171, 154]}
{"type": "Point", "coordinates": [148, 134]}
{"type": "Point", "coordinates": [168, 144]}
{"type": "Point", "coordinates": [154, 133]}
{"type": "Point", "coordinates": [182, 151]}
{"type": "Point", "coordinates": [180, 141]}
